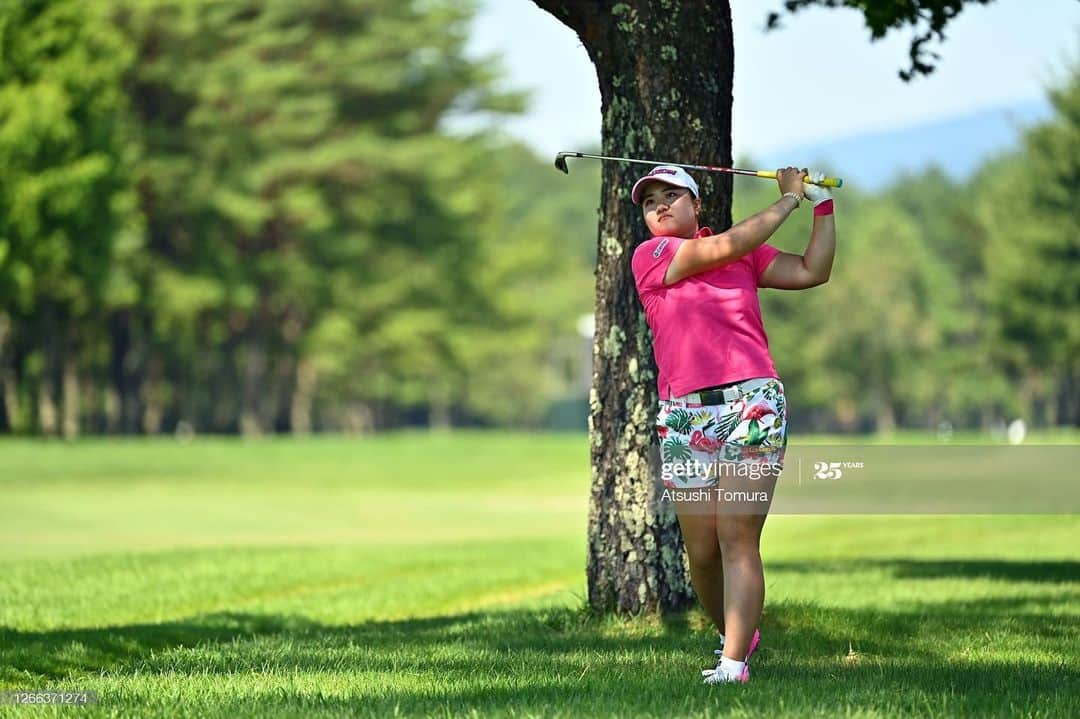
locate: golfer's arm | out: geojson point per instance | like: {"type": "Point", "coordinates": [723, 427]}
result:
{"type": "Point", "coordinates": [789, 271]}
{"type": "Point", "coordinates": [821, 249]}
{"type": "Point", "coordinates": [714, 251]}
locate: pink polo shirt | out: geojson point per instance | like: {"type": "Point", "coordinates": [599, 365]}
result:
{"type": "Point", "coordinates": [707, 328]}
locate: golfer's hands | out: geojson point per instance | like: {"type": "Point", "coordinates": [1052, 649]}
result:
{"type": "Point", "coordinates": [816, 193]}
{"type": "Point", "coordinates": [790, 179]}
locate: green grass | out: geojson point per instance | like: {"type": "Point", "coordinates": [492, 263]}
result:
{"type": "Point", "coordinates": [443, 575]}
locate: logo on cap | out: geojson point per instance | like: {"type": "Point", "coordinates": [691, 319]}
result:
{"type": "Point", "coordinates": [662, 171]}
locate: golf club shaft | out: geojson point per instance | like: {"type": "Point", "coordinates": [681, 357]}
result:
{"type": "Point", "coordinates": [560, 162]}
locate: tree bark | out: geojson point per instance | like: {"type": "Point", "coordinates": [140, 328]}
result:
{"type": "Point", "coordinates": [225, 398]}
{"type": "Point", "coordinates": [47, 415]}
{"type": "Point", "coordinates": [254, 369]}
{"type": "Point", "coordinates": [125, 366]}
{"type": "Point", "coordinates": [884, 415]}
{"type": "Point", "coordinates": [9, 390]}
{"type": "Point", "coordinates": [303, 396]}
{"type": "Point", "coordinates": [70, 422]}
{"type": "Point", "coordinates": [111, 408]}
{"type": "Point", "coordinates": [665, 74]}
{"type": "Point", "coordinates": [152, 403]}
{"type": "Point", "coordinates": [46, 406]}
{"type": "Point", "coordinates": [1069, 397]}
{"type": "Point", "coordinates": [357, 418]}
{"type": "Point", "coordinates": [275, 395]}
{"type": "Point", "coordinates": [439, 409]}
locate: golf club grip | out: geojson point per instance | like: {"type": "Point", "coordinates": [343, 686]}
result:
{"type": "Point", "coordinates": [825, 182]}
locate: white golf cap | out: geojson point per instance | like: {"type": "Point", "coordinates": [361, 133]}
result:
{"type": "Point", "coordinates": [668, 174]}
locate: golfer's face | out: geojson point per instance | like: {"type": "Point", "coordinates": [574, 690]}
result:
{"type": "Point", "coordinates": [669, 210]}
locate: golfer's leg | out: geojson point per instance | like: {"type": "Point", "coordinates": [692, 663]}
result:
{"type": "Point", "coordinates": [741, 515]}
{"type": "Point", "coordinates": [739, 537]}
{"type": "Point", "coordinates": [698, 525]}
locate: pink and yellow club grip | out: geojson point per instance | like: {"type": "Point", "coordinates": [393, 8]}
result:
{"type": "Point", "coordinates": [824, 182]}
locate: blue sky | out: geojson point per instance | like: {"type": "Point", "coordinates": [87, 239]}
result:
{"type": "Point", "coordinates": [822, 62]}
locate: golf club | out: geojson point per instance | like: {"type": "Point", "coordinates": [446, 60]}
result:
{"type": "Point", "coordinates": [560, 162]}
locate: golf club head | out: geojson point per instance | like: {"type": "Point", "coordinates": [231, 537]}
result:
{"type": "Point", "coordinates": [560, 162]}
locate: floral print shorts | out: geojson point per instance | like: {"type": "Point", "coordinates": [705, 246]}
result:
{"type": "Point", "coordinates": [696, 439]}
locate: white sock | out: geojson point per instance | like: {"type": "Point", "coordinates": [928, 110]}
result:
{"type": "Point", "coordinates": [731, 668]}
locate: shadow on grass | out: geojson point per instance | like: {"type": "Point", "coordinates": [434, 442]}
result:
{"type": "Point", "coordinates": [927, 659]}
{"type": "Point", "coordinates": [1007, 570]}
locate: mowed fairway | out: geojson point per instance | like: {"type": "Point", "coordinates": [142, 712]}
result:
{"type": "Point", "coordinates": [444, 574]}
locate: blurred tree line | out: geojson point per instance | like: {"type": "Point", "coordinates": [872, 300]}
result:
{"type": "Point", "coordinates": [249, 217]}
{"type": "Point", "coordinates": [246, 216]}
{"type": "Point", "coordinates": [950, 303]}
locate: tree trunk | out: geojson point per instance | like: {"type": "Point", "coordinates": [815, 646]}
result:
{"type": "Point", "coordinates": [9, 390]}
{"type": "Point", "coordinates": [153, 404]}
{"type": "Point", "coordinates": [884, 411]}
{"type": "Point", "coordinates": [439, 409]}
{"type": "Point", "coordinates": [47, 416]}
{"type": "Point", "coordinates": [357, 418]}
{"type": "Point", "coordinates": [70, 423]}
{"type": "Point", "coordinates": [303, 397]}
{"type": "Point", "coordinates": [254, 369]}
{"type": "Point", "coordinates": [196, 373]}
{"type": "Point", "coordinates": [665, 73]}
{"type": "Point", "coordinates": [46, 405]}
{"type": "Point", "coordinates": [1026, 397]}
{"type": "Point", "coordinates": [1069, 398]}
{"type": "Point", "coordinates": [111, 407]}
{"type": "Point", "coordinates": [124, 370]}
{"type": "Point", "coordinates": [846, 413]}
{"type": "Point", "coordinates": [279, 410]}
{"type": "Point", "coordinates": [224, 398]}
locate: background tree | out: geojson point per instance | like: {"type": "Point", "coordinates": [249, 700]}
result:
{"type": "Point", "coordinates": [308, 218]}
{"type": "Point", "coordinates": [1032, 260]}
{"type": "Point", "coordinates": [66, 200]}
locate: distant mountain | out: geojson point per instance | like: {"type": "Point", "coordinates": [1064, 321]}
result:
{"type": "Point", "coordinates": [958, 144]}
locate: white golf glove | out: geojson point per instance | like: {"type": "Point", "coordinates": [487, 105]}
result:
{"type": "Point", "coordinates": [816, 193]}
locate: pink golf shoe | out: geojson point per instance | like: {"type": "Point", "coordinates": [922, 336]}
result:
{"type": "Point", "coordinates": [713, 676]}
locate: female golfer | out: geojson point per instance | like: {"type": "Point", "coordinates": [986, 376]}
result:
{"type": "Point", "coordinates": [722, 420]}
